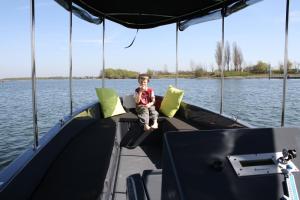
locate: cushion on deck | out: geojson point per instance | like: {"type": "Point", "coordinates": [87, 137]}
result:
{"type": "Point", "coordinates": [171, 101]}
{"type": "Point", "coordinates": [110, 102]}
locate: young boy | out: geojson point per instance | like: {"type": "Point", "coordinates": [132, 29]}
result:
{"type": "Point", "coordinates": [145, 99]}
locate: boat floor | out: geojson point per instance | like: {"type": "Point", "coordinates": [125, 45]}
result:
{"type": "Point", "coordinates": [135, 161]}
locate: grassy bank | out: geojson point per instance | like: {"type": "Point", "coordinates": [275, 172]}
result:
{"type": "Point", "coordinates": [133, 75]}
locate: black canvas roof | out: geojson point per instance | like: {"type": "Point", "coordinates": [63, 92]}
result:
{"type": "Point", "coordinates": [141, 14]}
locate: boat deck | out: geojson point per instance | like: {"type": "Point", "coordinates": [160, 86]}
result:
{"type": "Point", "coordinates": [135, 161]}
{"type": "Point", "coordinates": [81, 160]}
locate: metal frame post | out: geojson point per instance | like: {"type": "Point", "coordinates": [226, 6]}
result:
{"type": "Point", "coordinates": [285, 61]}
{"type": "Point", "coordinates": [176, 75]}
{"type": "Point", "coordinates": [33, 77]}
{"type": "Point", "coordinates": [222, 67]}
{"type": "Point", "coordinates": [103, 56]}
{"type": "Point", "coordinates": [70, 61]}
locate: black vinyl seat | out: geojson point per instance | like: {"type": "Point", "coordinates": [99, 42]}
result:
{"type": "Point", "coordinates": [83, 160]}
{"type": "Point", "coordinates": [135, 188]}
{"type": "Point", "coordinates": [135, 135]}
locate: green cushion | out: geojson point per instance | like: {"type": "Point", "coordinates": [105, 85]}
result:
{"type": "Point", "coordinates": [110, 102]}
{"type": "Point", "coordinates": [171, 101]}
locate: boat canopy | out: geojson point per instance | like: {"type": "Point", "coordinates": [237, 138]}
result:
{"type": "Point", "coordinates": [149, 14]}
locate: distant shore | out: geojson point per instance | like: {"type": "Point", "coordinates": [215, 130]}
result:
{"type": "Point", "coordinates": [275, 76]}
{"type": "Point", "coordinates": [45, 78]}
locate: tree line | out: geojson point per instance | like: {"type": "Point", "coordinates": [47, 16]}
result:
{"type": "Point", "coordinates": [235, 57]}
{"type": "Point", "coordinates": [111, 73]}
{"type": "Point", "coordinates": [233, 66]}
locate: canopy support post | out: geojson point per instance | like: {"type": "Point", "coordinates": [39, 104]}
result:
{"type": "Point", "coordinates": [285, 61]}
{"type": "Point", "coordinates": [33, 77]}
{"type": "Point", "coordinates": [70, 61]}
{"type": "Point", "coordinates": [176, 74]}
{"type": "Point", "coordinates": [222, 67]}
{"type": "Point", "coordinates": [103, 57]}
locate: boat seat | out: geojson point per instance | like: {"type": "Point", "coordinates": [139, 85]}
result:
{"type": "Point", "coordinates": [176, 124]}
{"type": "Point", "coordinates": [136, 135]}
{"type": "Point", "coordinates": [152, 181]}
{"type": "Point", "coordinates": [135, 188]}
{"type": "Point", "coordinates": [145, 187]}
{"type": "Point", "coordinates": [126, 117]}
{"type": "Point", "coordinates": [82, 161]}
{"type": "Point", "coordinates": [132, 133]}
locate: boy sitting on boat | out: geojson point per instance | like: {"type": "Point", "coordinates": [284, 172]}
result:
{"type": "Point", "coordinates": [145, 99]}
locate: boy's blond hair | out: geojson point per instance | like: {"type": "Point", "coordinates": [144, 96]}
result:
{"type": "Point", "coordinates": [143, 77]}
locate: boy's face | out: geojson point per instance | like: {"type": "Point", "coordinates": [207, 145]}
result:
{"type": "Point", "coordinates": [143, 83]}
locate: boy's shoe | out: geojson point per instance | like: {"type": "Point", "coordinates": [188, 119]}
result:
{"type": "Point", "coordinates": [147, 127]}
{"type": "Point", "coordinates": [155, 125]}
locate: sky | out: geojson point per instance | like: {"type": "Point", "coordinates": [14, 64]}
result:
{"type": "Point", "coordinates": [258, 30]}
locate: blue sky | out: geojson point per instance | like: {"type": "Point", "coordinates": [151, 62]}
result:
{"type": "Point", "coordinates": [258, 30]}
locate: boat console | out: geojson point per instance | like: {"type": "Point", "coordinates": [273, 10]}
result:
{"type": "Point", "coordinates": [224, 164]}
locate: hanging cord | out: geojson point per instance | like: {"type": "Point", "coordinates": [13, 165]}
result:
{"type": "Point", "coordinates": [137, 30]}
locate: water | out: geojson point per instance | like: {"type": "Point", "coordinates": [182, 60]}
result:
{"type": "Point", "coordinates": [256, 101]}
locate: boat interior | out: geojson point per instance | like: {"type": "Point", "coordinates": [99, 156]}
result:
{"type": "Point", "coordinates": [92, 156]}
{"type": "Point", "coordinates": [197, 154]}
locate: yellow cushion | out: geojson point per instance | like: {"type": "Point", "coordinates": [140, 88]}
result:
{"type": "Point", "coordinates": [110, 102]}
{"type": "Point", "coordinates": [171, 101]}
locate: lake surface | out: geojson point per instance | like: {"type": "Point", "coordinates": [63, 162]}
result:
{"type": "Point", "coordinates": [255, 101]}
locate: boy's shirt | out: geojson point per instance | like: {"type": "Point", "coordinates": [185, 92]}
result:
{"type": "Point", "coordinates": [146, 96]}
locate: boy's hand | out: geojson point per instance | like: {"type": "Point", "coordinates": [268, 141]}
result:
{"type": "Point", "coordinates": [142, 88]}
{"type": "Point", "coordinates": [149, 105]}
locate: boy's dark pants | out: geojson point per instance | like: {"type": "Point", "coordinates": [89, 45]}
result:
{"type": "Point", "coordinates": [145, 114]}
